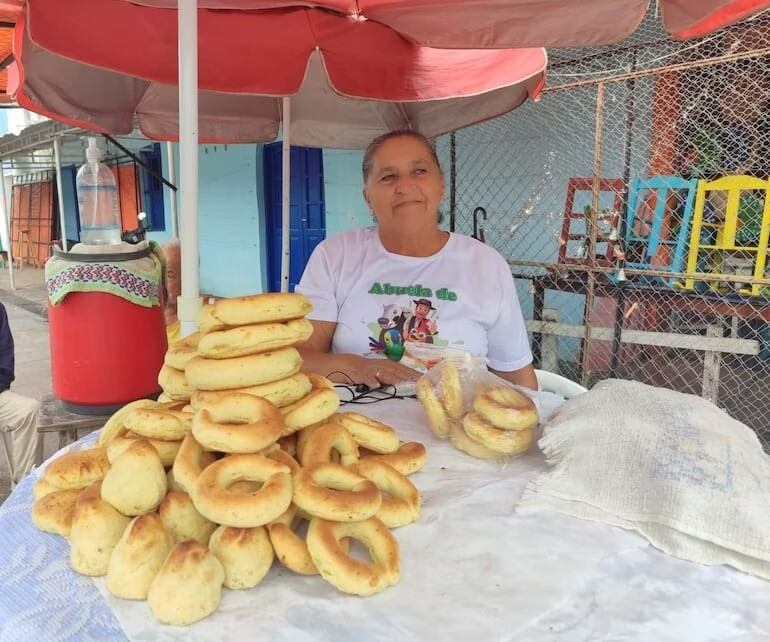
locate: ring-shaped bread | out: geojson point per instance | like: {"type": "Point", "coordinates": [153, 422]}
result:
{"type": "Point", "coordinates": [507, 408]}
{"type": "Point", "coordinates": [327, 439]}
{"type": "Point", "coordinates": [237, 423]}
{"type": "Point", "coordinates": [505, 442]}
{"type": "Point", "coordinates": [320, 404]}
{"type": "Point", "coordinates": [400, 499]}
{"type": "Point", "coordinates": [242, 372]}
{"type": "Point", "coordinates": [280, 393]}
{"type": "Point", "coordinates": [437, 416]}
{"type": "Point", "coordinates": [331, 491]}
{"type": "Point", "coordinates": [346, 573]}
{"type": "Point", "coordinates": [408, 459]}
{"type": "Point", "coordinates": [190, 462]}
{"type": "Point", "coordinates": [369, 433]}
{"type": "Point", "coordinates": [460, 440]}
{"type": "Point", "coordinates": [451, 389]}
{"type": "Point", "coordinates": [253, 339]}
{"type": "Point", "coordinates": [182, 351]}
{"type": "Point", "coordinates": [214, 500]}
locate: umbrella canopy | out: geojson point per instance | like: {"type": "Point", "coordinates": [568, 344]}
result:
{"type": "Point", "coordinates": [349, 79]}
{"type": "Point", "coordinates": [9, 12]}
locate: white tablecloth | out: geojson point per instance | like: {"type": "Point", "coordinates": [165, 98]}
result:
{"type": "Point", "coordinates": [471, 569]}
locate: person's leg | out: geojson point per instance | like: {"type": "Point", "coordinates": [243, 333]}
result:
{"type": "Point", "coordinates": [18, 420]}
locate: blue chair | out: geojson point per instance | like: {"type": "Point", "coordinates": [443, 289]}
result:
{"type": "Point", "coordinates": [643, 247]}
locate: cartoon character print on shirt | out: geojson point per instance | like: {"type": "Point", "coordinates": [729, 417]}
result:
{"type": "Point", "coordinates": [414, 319]}
{"type": "Point", "coordinates": [398, 324]}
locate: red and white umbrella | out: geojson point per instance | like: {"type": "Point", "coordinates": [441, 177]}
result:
{"type": "Point", "coordinates": [349, 79]}
{"type": "Point", "coordinates": [353, 68]}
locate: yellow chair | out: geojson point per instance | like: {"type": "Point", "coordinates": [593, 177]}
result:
{"type": "Point", "coordinates": [731, 188]}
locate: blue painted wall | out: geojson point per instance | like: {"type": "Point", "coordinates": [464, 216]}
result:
{"type": "Point", "coordinates": [345, 205]}
{"type": "Point", "coordinates": [231, 221]}
{"type": "Point", "coordinates": [233, 240]}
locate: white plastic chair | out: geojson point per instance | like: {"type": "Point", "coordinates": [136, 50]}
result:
{"type": "Point", "coordinates": [550, 382]}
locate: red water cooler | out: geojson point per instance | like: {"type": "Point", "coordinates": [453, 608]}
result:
{"type": "Point", "coordinates": [106, 349]}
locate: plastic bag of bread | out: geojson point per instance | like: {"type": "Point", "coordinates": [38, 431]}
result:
{"type": "Point", "coordinates": [480, 413]}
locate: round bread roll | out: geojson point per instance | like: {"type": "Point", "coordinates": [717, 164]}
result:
{"type": "Point", "coordinates": [137, 557]}
{"type": "Point", "coordinates": [96, 529]}
{"type": "Point", "coordinates": [344, 572]}
{"type": "Point", "coordinates": [190, 462]}
{"type": "Point", "coordinates": [237, 423]}
{"type": "Point", "coordinates": [280, 393]}
{"type": "Point", "coordinates": [253, 339]}
{"type": "Point", "coordinates": [214, 500]}
{"type": "Point", "coordinates": [77, 469]}
{"type": "Point", "coordinates": [188, 586]}
{"type": "Point", "coordinates": [174, 382]}
{"type": "Point", "coordinates": [43, 488]}
{"type": "Point", "coordinates": [52, 513]}
{"type": "Point", "coordinates": [241, 372]}
{"type": "Point", "coordinates": [245, 553]}
{"type": "Point", "coordinates": [400, 499]}
{"type": "Point", "coordinates": [408, 459]}
{"type": "Point", "coordinates": [180, 352]}
{"type": "Point", "coordinates": [330, 491]}
{"type": "Point", "coordinates": [171, 483]}
{"type": "Point", "coordinates": [369, 433]}
{"type": "Point", "coordinates": [261, 308]}
{"type": "Point", "coordinates": [182, 521]}
{"type": "Point", "coordinates": [136, 483]}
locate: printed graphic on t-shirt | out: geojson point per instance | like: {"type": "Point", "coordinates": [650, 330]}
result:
{"type": "Point", "coordinates": [415, 321]}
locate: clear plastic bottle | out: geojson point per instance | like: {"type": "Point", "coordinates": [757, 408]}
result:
{"type": "Point", "coordinates": [97, 200]}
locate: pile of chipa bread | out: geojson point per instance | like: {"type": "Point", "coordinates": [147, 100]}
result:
{"type": "Point", "coordinates": [204, 488]}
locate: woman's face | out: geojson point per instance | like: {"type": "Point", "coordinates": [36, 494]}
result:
{"type": "Point", "coordinates": [405, 186]}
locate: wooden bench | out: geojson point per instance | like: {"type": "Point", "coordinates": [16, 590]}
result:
{"type": "Point", "coordinates": [55, 418]}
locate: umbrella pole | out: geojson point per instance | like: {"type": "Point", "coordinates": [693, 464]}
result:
{"type": "Point", "coordinates": [172, 193]}
{"type": "Point", "coordinates": [189, 302]}
{"type": "Point", "coordinates": [60, 193]}
{"type": "Point", "coordinates": [286, 196]}
{"type": "Point", "coordinates": [9, 229]}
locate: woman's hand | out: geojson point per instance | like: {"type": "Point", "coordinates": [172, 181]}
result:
{"type": "Point", "coordinates": [371, 372]}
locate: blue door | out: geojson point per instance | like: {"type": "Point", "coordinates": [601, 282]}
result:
{"type": "Point", "coordinates": [308, 214]}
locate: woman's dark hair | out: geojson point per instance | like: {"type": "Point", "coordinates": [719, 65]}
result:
{"type": "Point", "coordinates": [378, 142]}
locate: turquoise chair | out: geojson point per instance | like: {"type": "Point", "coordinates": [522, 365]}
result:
{"type": "Point", "coordinates": [650, 244]}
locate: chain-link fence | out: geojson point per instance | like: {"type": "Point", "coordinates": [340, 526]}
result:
{"type": "Point", "coordinates": [632, 203]}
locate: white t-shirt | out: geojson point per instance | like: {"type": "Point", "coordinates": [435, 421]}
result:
{"type": "Point", "coordinates": [461, 297]}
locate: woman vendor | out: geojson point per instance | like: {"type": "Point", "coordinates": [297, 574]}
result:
{"type": "Point", "coordinates": [379, 290]}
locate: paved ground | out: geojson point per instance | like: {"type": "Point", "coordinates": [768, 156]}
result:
{"type": "Point", "coordinates": [26, 307]}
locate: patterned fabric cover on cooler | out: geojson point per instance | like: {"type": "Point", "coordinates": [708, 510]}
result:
{"type": "Point", "coordinates": [136, 281]}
